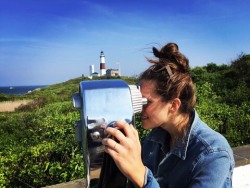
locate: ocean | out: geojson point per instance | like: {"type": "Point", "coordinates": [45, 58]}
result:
{"type": "Point", "coordinates": [18, 90]}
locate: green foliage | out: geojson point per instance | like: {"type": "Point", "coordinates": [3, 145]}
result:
{"type": "Point", "coordinates": [238, 125]}
{"type": "Point", "coordinates": [142, 132]}
{"type": "Point", "coordinates": [39, 148]}
{"type": "Point", "coordinates": [241, 68]}
{"type": "Point", "coordinates": [3, 97]}
{"type": "Point", "coordinates": [207, 105]}
{"type": "Point", "coordinates": [223, 98]}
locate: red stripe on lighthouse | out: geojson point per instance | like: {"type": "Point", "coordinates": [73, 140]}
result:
{"type": "Point", "coordinates": [102, 66]}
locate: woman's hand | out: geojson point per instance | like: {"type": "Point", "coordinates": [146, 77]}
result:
{"type": "Point", "coordinates": [126, 151]}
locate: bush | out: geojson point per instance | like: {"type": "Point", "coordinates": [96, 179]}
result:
{"type": "Point", "coordinates": [40, 148]}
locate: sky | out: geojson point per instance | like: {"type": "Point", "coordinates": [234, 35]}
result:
{"type": "Point", "coordinates": [45, 42]}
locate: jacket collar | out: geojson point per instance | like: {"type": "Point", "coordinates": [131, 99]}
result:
{"type": "Point", "coordinates": [162, 137]}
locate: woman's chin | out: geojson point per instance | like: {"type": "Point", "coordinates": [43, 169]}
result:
{"type": "Point", "coordinates": [146, 126]}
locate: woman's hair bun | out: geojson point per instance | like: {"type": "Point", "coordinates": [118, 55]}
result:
{"type": "Point", "coordinates": [170, 53]}
{"type": "Point", "coordinates": [170, 48]}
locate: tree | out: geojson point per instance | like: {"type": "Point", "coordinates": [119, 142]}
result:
{"type": "Point", "coordinates": [241, 68]}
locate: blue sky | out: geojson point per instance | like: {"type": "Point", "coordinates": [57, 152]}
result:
{"type": "Point", "coordinates": [51, 41]}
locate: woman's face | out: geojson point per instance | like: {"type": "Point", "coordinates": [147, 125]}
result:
{"type": "Point", "coordinates": [155, 112]}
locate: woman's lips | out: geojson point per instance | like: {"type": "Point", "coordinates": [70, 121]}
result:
{"type": "Point", "coordinates": [144, 117]}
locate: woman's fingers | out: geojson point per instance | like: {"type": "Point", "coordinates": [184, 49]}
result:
{"type": "Point", "coordinates": [113, 148]}
{"type": "Point", "coordinates": [116, 133]}
{"type": "Point", "coordinates": [110, 144]}
{"type": "Point", "coordinates": [122, 131]}
{"type": "Point", "coordinates": [128, 129]}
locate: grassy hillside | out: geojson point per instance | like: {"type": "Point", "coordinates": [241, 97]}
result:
{"type": "Point", "coordinates": [37, 140]}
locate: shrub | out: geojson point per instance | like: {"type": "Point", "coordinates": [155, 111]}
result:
{"type": "Point", "coordinates": [40, 148]}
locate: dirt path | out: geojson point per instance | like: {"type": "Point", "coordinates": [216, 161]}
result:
{"type": "Point", "coordinates": [9, 106]}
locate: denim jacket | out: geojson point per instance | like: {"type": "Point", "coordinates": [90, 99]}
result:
{"type": "Point", "coordinates": [203, 158]}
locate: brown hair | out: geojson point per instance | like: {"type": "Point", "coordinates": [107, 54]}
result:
{"type": "Point", "coordinates": [170, 71]}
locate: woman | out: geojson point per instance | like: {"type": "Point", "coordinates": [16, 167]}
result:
{"type": "Point", "coordinates": [181, 150]}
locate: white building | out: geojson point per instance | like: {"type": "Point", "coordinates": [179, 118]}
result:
{"type": "Point", "coordinates": [91, 70]}
{"type": "Point", "coordinates": [113, 72]}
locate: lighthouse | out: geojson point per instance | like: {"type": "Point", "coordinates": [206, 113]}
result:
{"type": "Point", "coordinates": [102, 64]}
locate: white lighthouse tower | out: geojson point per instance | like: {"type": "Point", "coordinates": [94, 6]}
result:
{"type": "Point", "coordinates": [102, 64]}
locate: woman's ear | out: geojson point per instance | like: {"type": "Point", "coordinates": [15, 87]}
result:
{"type": "Point", "coordinates": [175, 105]}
